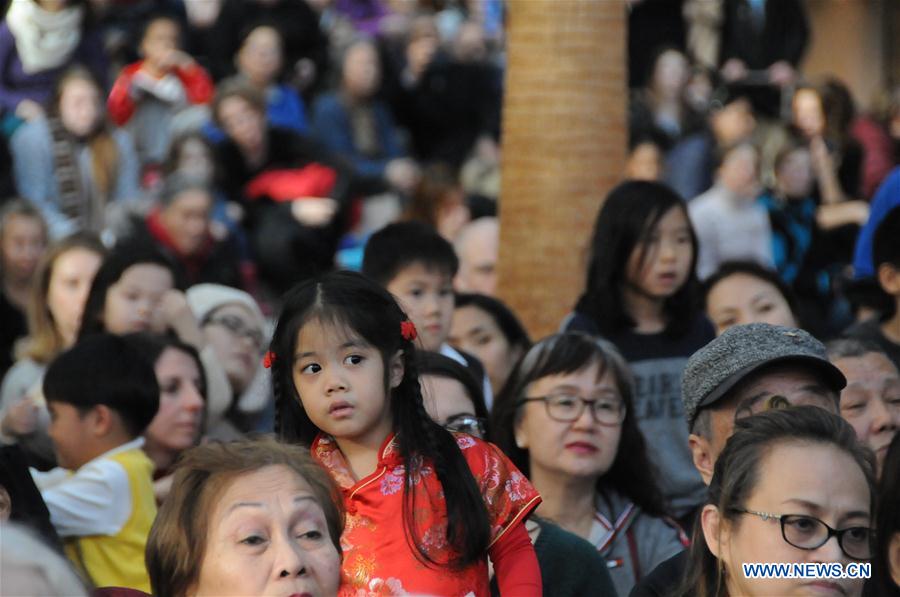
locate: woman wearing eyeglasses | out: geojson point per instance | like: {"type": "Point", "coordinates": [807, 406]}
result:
{"type": "Point", "coordinates": [791, 486]}
{"type": "Point", "coordinates": [565, 419]}
{"type": "Point", "coordinates": [234, 329]}
{"type": "Point", "coordinates": [453, 396]}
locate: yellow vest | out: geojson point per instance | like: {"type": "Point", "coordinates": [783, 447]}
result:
{"type": "Point", "coordinates": [118, 560]}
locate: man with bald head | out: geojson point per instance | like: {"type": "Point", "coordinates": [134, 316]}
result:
{"type": "Point", "coordinates": [477, 246]}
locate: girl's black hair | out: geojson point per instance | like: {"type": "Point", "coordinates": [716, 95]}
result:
{"type": "Point", "coordinates": [632, 473]}
{"type": "Point", "coordinates": [352, 301]}
{"type": "Point", "coordinates": [112, 268]}
{"type": "Point", "coordinates": [887, 521]}
{"type": "Point", "coordinates": [752, 269]}
{"type": "Point", "coordinates": [626, 221]}
{"type": "Point", "coordinates": [510, 326]}
{"type": "Point", "coordinates": [438, 365]}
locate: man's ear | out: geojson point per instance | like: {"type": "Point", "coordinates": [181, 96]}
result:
{"type": "Point", "coordinates": [396, 369]}
{"type": "Point", "coordinates": [889, 278]}
{"type": "Point", "coordinates": [701, 452]}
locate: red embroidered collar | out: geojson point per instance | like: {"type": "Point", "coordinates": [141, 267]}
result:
{"type": "Point", "coordinates": [326, 451]}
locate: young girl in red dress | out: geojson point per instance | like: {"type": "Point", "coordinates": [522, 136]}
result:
{"type": "Point", "coordinates": [425, 508]}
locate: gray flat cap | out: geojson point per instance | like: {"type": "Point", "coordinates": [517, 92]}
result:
{"type": "Point", "coordinates": [743, 349]}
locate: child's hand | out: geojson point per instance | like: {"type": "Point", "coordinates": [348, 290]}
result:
{"type": "Point", "coordinates": [29, 110]}
{"type": "Point", "coordinates": [314, 211]}
{"type": "Point", "coordinates": [21, 418]}
{"type": "Point", "coordinates": [173, 306]}
{"type": "Point", "coordinates": [175, 59]}
{"type": "Point", "coordinates": [175, 313]}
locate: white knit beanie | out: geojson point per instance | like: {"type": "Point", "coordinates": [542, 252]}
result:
{"type": "Point", "coordinates": [206, 298]}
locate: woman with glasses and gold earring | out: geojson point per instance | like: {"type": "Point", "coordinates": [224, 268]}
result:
{"type": "Point", "coordinates": [566, 420]}
{"type": "Point", "coordinates": [792, 486]}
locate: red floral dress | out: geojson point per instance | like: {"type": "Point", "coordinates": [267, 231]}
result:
{"type": "Point", "coordinates": [378, 559]}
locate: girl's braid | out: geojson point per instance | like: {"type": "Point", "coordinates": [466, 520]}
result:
{"type": "Point", "coordinates": [277, 391]}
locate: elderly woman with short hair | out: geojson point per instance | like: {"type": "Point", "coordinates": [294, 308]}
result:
{"type": "Point", "coordinates": [254, 517]}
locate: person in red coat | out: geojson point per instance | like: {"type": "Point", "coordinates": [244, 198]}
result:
{"type": "Point", "coordinates": [163, 94]}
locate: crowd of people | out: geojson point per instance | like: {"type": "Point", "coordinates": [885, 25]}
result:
{"type": "Point", "coordinates": [251, 343]}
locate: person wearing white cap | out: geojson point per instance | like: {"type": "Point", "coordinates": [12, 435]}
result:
{"type": "Point", "coordinates": [235, 328]}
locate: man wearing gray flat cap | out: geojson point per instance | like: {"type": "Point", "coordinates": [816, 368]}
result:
{"type": "Point", "coordinates": [746, 370]}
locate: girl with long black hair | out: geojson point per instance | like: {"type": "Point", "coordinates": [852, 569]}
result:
{"type": "Point", "coordinates": [425, 507]}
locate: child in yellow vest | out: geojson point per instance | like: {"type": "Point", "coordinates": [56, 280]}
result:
{"type": "Point", "coordinates": [101, 395]}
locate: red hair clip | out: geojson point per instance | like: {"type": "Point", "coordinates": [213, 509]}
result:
{"type": "Point", "coordinates": [408, 330]}
{"type": "Point", "coordinates": [268, 359]}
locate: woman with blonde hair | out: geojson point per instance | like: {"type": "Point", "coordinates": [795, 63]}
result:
{"type": "Point", "coordinates": [62, 281]}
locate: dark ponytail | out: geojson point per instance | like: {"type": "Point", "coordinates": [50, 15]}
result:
{"type": "Point", "coordinates": [353, 301]}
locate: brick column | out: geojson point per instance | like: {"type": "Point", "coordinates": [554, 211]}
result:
{"type": "Point", "coordinates": [564, 141]}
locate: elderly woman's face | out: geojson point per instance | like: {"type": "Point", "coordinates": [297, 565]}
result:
{"type": "Point", "coordinates": [186, 218]}
{"type": "Point", "coordinates": [268, 536]}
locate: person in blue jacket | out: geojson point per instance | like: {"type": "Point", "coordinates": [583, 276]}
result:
{"type": "Point", "coordinates": [354, 124]}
